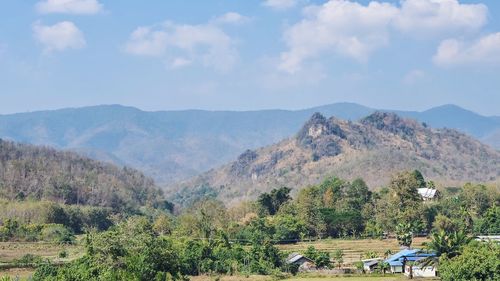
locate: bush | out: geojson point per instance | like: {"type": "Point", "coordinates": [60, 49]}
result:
{"type": "Point", "coordinates": [479, 261]}
{"type": "Point", "coordinates": [63, 254]}
{"type": "Point", "coordinates": [28, 260]}
{"type": "Point", "coordinates": [58, 234]}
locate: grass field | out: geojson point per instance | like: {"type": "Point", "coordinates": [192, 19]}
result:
{"type": "Point", "coordinates": [303, 278]}
{"type": "Point", "coordinates": [10, 251]}
{"type": "Point", "coordinates": [353, 249]}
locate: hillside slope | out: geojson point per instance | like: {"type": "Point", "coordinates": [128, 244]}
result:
{"type": "Point", "coordinates": [30, 172]}
{"type": "Point", "coordinates": [175, 145]}
{"type": "Point", "coordinates": [374, 148]}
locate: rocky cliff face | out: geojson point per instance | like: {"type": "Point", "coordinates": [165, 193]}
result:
{"type": "Point", "coordinates": [373, 148]}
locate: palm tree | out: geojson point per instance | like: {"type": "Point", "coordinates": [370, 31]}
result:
{"type": "Point", "coordinates": [387, 253]}
{"type": "Point", "coordinates": [404, 234]}
{"type": "Point", "coordinates": [444, 244]}
{"type": "Point", "coordinates": [384, 266]}
{"type": "Point", "coordinates": [448, 244]}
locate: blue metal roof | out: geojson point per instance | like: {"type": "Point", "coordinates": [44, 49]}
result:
{"type": "Point", "coordinates": [410, 255]}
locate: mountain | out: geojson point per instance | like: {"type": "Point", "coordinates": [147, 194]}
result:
{"type": "Point", "coordinates": [373, 148]}
{"type": "Point", "coordinates": [175, 145]}
{"type": "Point", "coordinates": [42, 173]}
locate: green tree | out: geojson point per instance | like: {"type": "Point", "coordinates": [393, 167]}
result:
{"type": "Point", "coordinates": [490, 222]}
{"type": "Point", "coordinates": [270, 203]}
{"type": "Point", "coordinates": [448, 244]}
{"type": "Point", "coordinates": [478, 261]}
{"type": "Point", "coordinates": [404, 234]}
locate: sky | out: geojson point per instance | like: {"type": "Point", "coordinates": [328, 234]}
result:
{"type": "Point", "coordinates": [249, 54]}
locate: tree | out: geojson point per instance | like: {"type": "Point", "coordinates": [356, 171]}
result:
{"type": "Point", "coordinates": [490, 222]}
{"type": "Point", "coordinates": [270, 203]}
{"type": "Point", "coordinates": [478, 261]}
{"type": "Point", "coordinates": [357, 194]}
{"type": "Point", "coordinates": [320, 258]}
{"type": "Point", "coordinates": [309, 205]}
{"type": "Point", "coordinates": [449, 244]}
{"type": "Point", "coordinates": [163, 225]}
{"type": "Point", "coordinates": [443, 223]}
{"type": "Point", "coordinates": [404, 234]}
{"type": "Point", "coordinates": [338, 256]}
{"type": "Point", "coordinates": [404, 189]}
{"type": "Point", "coordinates": [384, 266]}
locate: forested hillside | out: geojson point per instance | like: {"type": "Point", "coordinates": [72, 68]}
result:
{"type": "Point", "coordinates": [174, 145]}
{"type": "Point", "coordinates": [36, 173]}
{"type": "Point", "coordinates": [374, 148]}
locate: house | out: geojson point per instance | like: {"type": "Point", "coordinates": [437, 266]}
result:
{"type": "Point", "coordinates": [397, 262]}
{"type": "Point", "coordinates": [488, 238]}
{"type": "Point", "coordinates": [427, 194]}
{"type": "Point", "coordinates": [369, 265]}
{"type": "Point", "coordinates": [303, 263]}
{"type": "Point", "coordinates": [420, 271]}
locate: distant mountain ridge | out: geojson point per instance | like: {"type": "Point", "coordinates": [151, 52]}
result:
{"type": "Point", "coordinates": [373, 148]}
{"type": "Point", "coordinates": [176, 145]}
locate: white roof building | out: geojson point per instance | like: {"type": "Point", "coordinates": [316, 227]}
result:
{"type": "Point", "coordinates": [427, 193]}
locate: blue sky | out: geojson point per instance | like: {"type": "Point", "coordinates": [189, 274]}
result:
{"type": "Point", "coordinates": [249, 54]}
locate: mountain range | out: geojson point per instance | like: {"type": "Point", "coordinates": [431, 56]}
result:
{"type": "Point", "coordinates": [373, 148]}
{"type": "Point", "coordinates": [176, 145]}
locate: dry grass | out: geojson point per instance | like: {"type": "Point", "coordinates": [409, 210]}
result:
{"type": "Point", "coordinates": [301, 278]}
{"type": "Point", "coordinates": [10, 251]}
{"type": "Point", "coordinates": [353, 249]}
{"type": "Point", "coordinates": [21, 273]}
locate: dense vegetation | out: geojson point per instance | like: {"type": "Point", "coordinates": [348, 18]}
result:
{"type": "Point", "coordinates": [210, 238]}
{"type": "Point", "coordinates": [47, 195]}
{"type": "Point", "coordinates": [38, 173]}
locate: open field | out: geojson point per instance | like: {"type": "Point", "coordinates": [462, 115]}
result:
{"type": "Point", "coordinates": [10, 251]}
{"type": "Point", "coordinates": [21, 273]}
{"type": "Point", "coordinates": [353, 249]}
{"type": "Point", "coordinates": [304, 278]}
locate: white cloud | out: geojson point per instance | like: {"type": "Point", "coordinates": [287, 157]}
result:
{"type": "Point", "coordinates": [207, 44]}
{"type": "Point", "coordinates": [341, 27]}
{"type": "Point", "coordinates": [231, 18]}
{"type": "Point", "coordinates": [145, 41]}
{"type": "Point", "coordinates": [485, 50]}
{"type": "Point", "coordinates": [280, 4]}
{"type": "Point", "coordinates": [87, 7]}
{"type": "Point", "coordinates": [354, 30]}
{"type": "Point", "coordinates": [59, 37]}
{"type": "Point", "coordinates": [424, 18]}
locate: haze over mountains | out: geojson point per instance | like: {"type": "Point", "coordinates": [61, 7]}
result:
{"type": "Point", "coordinates": [374, 148]}
{"type": "Point", "coordinates": [175, 145]}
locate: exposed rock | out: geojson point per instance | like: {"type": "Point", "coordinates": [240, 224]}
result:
{"type": "Point", "coordinates": [374, 148]}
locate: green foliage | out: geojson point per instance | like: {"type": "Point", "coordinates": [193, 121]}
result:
{"type": "Point", "coordinates": [12, 230]}
{"type": "Point", "coordinates": [63, 254]}
{"type": "Point", "coordinates": [490, 222]}
{"type": "Point", "coordinates": [57, 233]}
{"type": "Point", "coordinates": [288, 228]}
{"type": "Point", "coordinates": [479, 261]}
{"type": "Point", "coordinates": [28, 260]}
{"type": "Point", "coordinates": [320, 258]}
{"type": "Point", "coordinates": [270, 203]}
{"type": "Point", "coordinates": [370, 255]}
{"type": "Point", "coordinates": [404, 234]}
{"type": "Point", "coordinates": [448, 244]}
